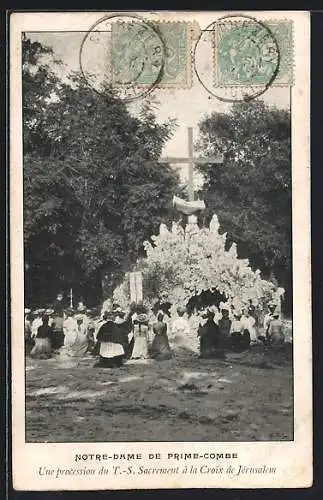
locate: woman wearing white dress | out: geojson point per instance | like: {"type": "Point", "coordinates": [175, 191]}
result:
{"type": "Point", "coordinates": [180, 338]}
{"type": "Point", "coordinates": [249, 323]}
{"type": "Point", "coordinates": [140, 334]}
{"type": "Point", "coordinates": [76, 339]}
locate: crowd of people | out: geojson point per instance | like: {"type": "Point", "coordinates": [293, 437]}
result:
{"type": "Point", "coordinates": [113, 335]}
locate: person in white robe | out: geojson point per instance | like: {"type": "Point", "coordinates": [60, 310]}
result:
{"type": "Point", "coordinates": [180, 338]}
{"type": "Point", "coordinates": [69, 329]}
{"type": "Point", "coordinates": [77, 341]}
{"type": "Point", "coordinates": [249, 323]}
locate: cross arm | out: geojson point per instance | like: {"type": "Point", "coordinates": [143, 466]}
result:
{"type": "Point", "coordinates": [211, 159]}
{"type": "Point", "coordinates": [201, 161]}
{"type": "Point", "coordinates": [174, 159]}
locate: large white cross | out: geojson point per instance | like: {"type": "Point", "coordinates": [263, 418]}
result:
{"type": "Point", "coordinates": [190, 161]}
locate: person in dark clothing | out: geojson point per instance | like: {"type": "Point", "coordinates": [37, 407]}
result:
{"type": "Point", "coordinates": [251, 309]}
{"type": "Point", "coordinates": [160, 349]}
{"type": "Point", "coordinates": [139, 308]}
{"type": "Point", "coordinates": [59, 303]}
{"type": "Point", "coordinates": [123, 323]}
{"type": "Point", "coordinates": [43, 342]}
{"type": "Point", "coordinates": [210, 337]}
{"type": "Point", "coordinates": [245, 340]}
{"type": "Point", "coordinates": [240, 336]}
{"type": "Point", "coordinates": [162, 305]}
{"type": "Point", "coordinates": [111, 342]}
{"type": "Point", "coordinates": [225, 327]}
{"type": "Point", "coordinates": [253, 312]}
{"type": "Point", "coordinates": [57, 327]}
{"type": "Point", "coordinates": [127, 329]}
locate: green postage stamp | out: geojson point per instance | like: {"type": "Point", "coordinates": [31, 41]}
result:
{"type": "Point", "coordinates": [253, 53]}
{"type": "Point", "coordinates": [144, 52]}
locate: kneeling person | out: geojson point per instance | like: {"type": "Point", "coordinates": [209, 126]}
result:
{"type": "Point", "coordinates": [110, 344]}
{"type": "Point", "coordinates": [276, 330]}
{"type": "Point", "coordinates": [160, 349]}
{"type": "Point", "coordinates": [43, 342]}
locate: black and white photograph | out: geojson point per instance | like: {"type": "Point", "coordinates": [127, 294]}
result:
{"type": "Point", "coordinates": [158, 252]}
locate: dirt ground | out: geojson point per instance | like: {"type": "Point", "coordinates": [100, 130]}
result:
{"type": "Point", "coordinates": [246, 397]}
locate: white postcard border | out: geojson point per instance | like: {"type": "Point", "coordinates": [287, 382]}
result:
{"type": "Point", "coordinates": [292, 460]}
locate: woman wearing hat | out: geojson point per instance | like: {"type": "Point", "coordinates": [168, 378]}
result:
{"type": "Point", "coordinates": [140, 334]}
{"type": "Point", "coordinates": [68, 323]}
{"type": "Point", "coordinates": [268, 319]}
{"type": "Point", "coordinates": [49, 312]}
{"type": "Point", "coordinates": [82, 312]}
{"type": "Point", "coordinates": [237, 331]}
{"type": "Point", "coordinates": [160, 349]}
{"type": "Point", "coordinates": [180, 330]}
{"type": "Point", "coordinates": [276, 330]}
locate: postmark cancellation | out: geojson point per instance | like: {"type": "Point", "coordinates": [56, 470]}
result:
{"type": "Point", "coordinates": [247, 52]}
{"type": "Point", "coordinates": [156, 53]}
{"type": "Point", "coordinates": [135, 55]}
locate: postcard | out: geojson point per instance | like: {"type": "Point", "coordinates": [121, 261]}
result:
{"type": "Point", "coordinates": [160, 250]}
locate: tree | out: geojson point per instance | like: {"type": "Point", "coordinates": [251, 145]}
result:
{"type": "Point", "coordinates": [96, 191]}
{"type": "Point", "coordinates": [251, 190]}
{"type": "Point", "coordinates": [39, 86]}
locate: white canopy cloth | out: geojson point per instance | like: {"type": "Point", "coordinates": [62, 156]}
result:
{"type": "Point", "coordinates": [188, 207]}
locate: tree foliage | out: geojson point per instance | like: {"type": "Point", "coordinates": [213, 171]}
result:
{"type": "Point", "coordinates": [251, 190]}
{"type": "Point", "coordinates": [39, 86]}
{"type": "Point", "coordinates": [94, 190]}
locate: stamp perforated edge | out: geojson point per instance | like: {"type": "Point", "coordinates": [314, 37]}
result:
{"type": "Point", "coordinates": [114, 35]}
{"type": "Point", "coordinates": [193, 31]}
{"type": "Point", "coordinates": [277, 82]}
